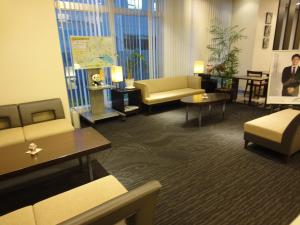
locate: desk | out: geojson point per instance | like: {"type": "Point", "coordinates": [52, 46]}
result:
{"type": "Point", "coordinates": [252, 79]}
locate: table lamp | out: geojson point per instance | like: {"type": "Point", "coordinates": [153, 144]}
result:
{"type": "Point", "coordinates": [198, 67]}
{"type": "Point", "coordinates": [116, 75]}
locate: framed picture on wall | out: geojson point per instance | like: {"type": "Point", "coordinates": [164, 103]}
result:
{"type": "Point", "coordinates": [269, 17]}
{"type": "Point", "coordinates": [265, 43]}
{"type": "Point", "coordinates": [267, 31]}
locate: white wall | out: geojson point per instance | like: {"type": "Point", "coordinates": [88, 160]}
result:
{"type": "Point", "coordinates": [31, 65]}
{"type": "Point", "coordinates": [245, 15]}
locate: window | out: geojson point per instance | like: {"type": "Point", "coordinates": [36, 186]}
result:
{"type": "Point", "coordinates": [135, 4]}
{"type": "Point", "coordinates": [127, 20]}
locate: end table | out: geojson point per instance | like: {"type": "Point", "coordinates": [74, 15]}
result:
{"type": "Point", "coordinates": [126, 101]}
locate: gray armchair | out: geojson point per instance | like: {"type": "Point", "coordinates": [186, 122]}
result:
{"type": "Point", "coordinates": [11, 131]}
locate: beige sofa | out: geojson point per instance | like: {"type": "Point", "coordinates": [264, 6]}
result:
{"type": "Point", "coordinates": [104, 201]}
{"type": "Point", "coordinates": [169, 88]}
{"type": "Point", "coordinates": [32, 120]}
{"type": "Point", "coordinates": [279, 131]}
{"type": "Point", "coordinates": [296, 221]}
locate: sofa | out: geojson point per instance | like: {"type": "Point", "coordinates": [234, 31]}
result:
{"type": "Point", "coordinates": [11, 131]}
{"type": "Point", "coordinates": [103, 202]}
{"type": "Point", "coordinates": [296, 221]}
{"type": "Point", "coordinates": [32, 120]}
{"type": "Point", "coordinates": [279, 131]}
{"type": "Point", "coordinates": [168, 89]}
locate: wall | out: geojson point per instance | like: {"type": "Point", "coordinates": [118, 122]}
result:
{"type": "Point", "coordinates": [31, 65]}
{"type": "Point", "coordinates": [245, 15]}
{"type": "Point", "coordinates": [262, 58]}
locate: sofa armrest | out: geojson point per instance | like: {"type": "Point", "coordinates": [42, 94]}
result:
{"type": "Point", "coordinates": [138, 205]}
{"type": "Point", "coordinates": [144, 89]}
{"type": "Point", "coordinates": [291, 135]}
{"type": "Point", "coordinates": [194, 82]}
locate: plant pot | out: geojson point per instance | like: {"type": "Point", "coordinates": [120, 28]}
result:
{"type": "Point", "coordinates": [129, 83]}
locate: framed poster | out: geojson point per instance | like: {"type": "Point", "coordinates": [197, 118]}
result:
{"type": "Point", "coordinates": [284, 81]}
{"type": "Point", "coordinates": [269, 17]}
{"type": "Point", "coordinates": [265, 43]}
{"type": "Point", "coordinates": [267, 31]}
{"type": "Point", "coordinates": [91, 52]}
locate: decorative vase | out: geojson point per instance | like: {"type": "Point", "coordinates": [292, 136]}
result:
{"type": "Point", "coordinates": [129, 83]}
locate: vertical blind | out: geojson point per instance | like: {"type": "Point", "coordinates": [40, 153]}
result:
{"type": "Point", "coordinates": [135, 25]}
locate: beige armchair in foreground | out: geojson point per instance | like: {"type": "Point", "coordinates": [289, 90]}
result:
{"type": "Point", "coordinates": [103, 202]}
{"type": "Point", "coordinates": [168, 89]}
{"type": "Point", "coordinates": [279, 132]}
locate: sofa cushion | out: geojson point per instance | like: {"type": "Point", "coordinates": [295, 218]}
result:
{"type": "Point", "coordinates": [271, 127]}
{"type": "Point", "coordinates": [11, 136]}
{"type": "Point", "coordinates": [48, 128]}
{"type": "Point", "coordinates": [165, 84]}
{"type": "Point", "coordinates": [173, 83]}
{"type": "Point", "coordinates": [23, 216]}
{"type": "Point", "coordinates": [172, 95]}
{"type": "Point", "coordinates": [66, 205]}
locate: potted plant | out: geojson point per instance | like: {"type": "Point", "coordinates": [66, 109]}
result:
{"type": "Point", "coordinates": [224, 50]}
{"type": "Point", "coordinates": [132, 61]}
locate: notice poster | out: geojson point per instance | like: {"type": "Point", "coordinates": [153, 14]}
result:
{"type": "Point", "coordinates": [284, 82]}
{"type": "Point", "coordinates": [90, 52]}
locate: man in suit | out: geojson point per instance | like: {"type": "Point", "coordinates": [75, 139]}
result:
{"type": "Point", "coordinates": [291, 78]}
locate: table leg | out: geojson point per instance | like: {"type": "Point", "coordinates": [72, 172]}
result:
{"type": "Point", "coordinates": [251, 92]}
{"type": "Point", "coordinates": [209, 109]}
{"type": "Point", "coordinates": [223, 109]}
{"type": "Point", "coordinates": [88, 159]}
{"type": "Point", "coordinates": [200, 117]}
{"type": "Point", "coordinates": [187, 113]}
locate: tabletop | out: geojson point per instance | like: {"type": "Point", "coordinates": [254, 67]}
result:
{"type": "Point", "coordinates": [200, 99]}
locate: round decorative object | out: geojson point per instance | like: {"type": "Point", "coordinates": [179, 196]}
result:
{"type": "Point", "coordinates": [96, 78]}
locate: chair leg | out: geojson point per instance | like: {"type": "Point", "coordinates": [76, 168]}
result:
{"type": "Point", "coordinates": [246, 89]}
{"type": "Point", "coordinates": [259, 90]}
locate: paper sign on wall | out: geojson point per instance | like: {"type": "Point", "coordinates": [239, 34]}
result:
{"type": "Point", "coordinates": [90, 52]}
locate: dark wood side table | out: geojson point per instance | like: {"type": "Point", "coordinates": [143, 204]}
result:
{"type": "Point", "coordinates": [56, 149]}
{"type": "Point", "coordinates": [134, 97]}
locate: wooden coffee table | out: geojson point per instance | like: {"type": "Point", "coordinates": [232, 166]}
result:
{"type": "Point", "coordinates": [203, 100]}
{"type": "Point", "coordinates": [56, 149]}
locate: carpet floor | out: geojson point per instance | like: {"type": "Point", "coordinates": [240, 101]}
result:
{"type": "Point", "coordinates": [207, 176]}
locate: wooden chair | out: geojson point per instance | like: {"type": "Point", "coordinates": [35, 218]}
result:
{"type": "Point", "coordinates": [256, 84]}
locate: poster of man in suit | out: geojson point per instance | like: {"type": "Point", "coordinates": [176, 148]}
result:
{"type": "Point", "coordinates": [284, 81]}
{"type": "Point", "coordinates": [291, 78]}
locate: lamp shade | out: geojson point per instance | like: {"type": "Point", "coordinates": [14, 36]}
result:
{"type": "Point", "coordinates": [199, 67]}
{"type": "Point", "coordinates": [116, 74]}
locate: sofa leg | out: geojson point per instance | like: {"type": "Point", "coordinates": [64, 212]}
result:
{"type": "Point", "coordinates": [287, 159]}
{"type": "Point", "coordinates": [246, 144]}
{"type": "Point", "coordinates": [149, 109]}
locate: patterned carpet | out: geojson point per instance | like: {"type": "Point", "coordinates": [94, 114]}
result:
{"type": "Point", "coordinates": [208, 177]}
